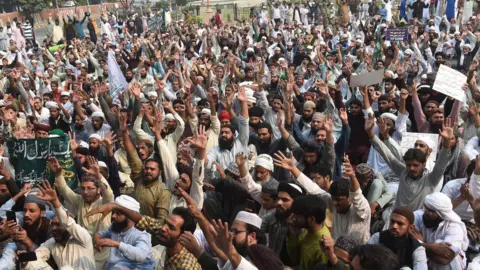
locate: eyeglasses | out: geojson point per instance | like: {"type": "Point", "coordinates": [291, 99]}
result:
{"type": "Point", "coordinates": [235, 231]}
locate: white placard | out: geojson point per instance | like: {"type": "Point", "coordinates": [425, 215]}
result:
{"type": "Point", "coordinates": [449, 82]}
{"type": "Point", "coordinates": [409, 139]}
{"type": "Point", "coordinates": [367, 79]}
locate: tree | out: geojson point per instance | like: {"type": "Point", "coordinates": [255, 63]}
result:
{"type": "Point", "coordinates": [32, 6]}
{"type": "Point", "coordinates": [181, 2]}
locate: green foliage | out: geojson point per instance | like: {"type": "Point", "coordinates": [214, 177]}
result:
{"type": "Point", "coordinates": [181, 2]}
{"type": "Point", "coordinates": [31, 6]}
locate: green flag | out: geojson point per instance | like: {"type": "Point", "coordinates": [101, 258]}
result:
{"type": "Point", "coordinates": [29, 158]}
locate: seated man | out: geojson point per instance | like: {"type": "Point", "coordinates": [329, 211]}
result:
{"type": "Point", "coordinates": [131, 248]}
{"type": "Point", "coordinates": [443, 233]}
{"type": "Point", "coordinates": [409, 251]}
{"type": "Point", "coordinates": [71, 244]}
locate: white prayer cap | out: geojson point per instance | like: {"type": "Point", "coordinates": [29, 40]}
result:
{"type": "Point", "coordinates": [424, 76]}
{"type": "Point", "coordinates": [51, 64]}
{"type": "Point", "coordinates": [250, 49]}
{"type": "Point", "coordinates": [277, 49]}
{"type": "Point", "coordinates": [95, 136]}
{"type": "Point", "coordinates": [70, 46]}
{"type": "Point", "coordinates": [390, 116]}
{"type": "Point", "coordinates": [102, 164]}
{"type": "Point", "coordinates": [51, 105]}
{"type": "Point", "coordinates": [128, 202]}
{"type": "Point", "coordinates": [309, 104]}
{"type": "Point", "coordinates": [152, 94]}
{"type": "Point", "coordinates": [169, 116]}
{"type": "Point", "coordinates": [84, 144]}
{"type": "Point", "coordinates": [68, 67]}
{"type": "Point", "coordinates": [431, 144]}
{"type": "Point", "coordinates": [225, 48]}
{"type": "Point", "coordinates": [456, 33]}
{"type": "Point", "coordinates": [309, 47]}
{"type": "Point", "coordinates": [34, 61]}
{"type": "Point", "coordinates": [281, 59]}
{"type": "Point", "coordinates": [65, 94]}
{"type": "Point", "coordinates": [98, 114]}
{"type": "Point", "coordinates": [322, 43]}
{"type": "Point", "coordinates": [55, 53]}
{"type": "Point", "coordinates": [264, 37]}
{"type": "Point", "coordinates": [206, 111]}
{"type": "Point", "coordinates": [249, 218]}
{"type": "Point", "coordinates": [408, 51]}
{"type": "Point", "coordinates": [265, 161]}
{"type": "Point", "coordinates": [289, 43]}
{"type": "Point", "coordinates": [252, 99]}
{"type": "Point", "coordinates": [78, 62]}
{"type": "Point", "coordinates": [319, 115]}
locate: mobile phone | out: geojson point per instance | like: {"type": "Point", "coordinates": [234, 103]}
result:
{"type": "Point", "coordinates": [27, 257]}
{"type": "Point", "coordinates": [251, 205]}
{"type": "Point", "coordinates": [11, 216]}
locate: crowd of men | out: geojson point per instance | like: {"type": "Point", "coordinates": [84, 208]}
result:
{"type": "Point", "coordinates": [242, 145]}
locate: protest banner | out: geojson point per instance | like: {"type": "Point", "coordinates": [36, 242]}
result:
{"type": "Point", "coordinates": [397, 34]}
{"type": "Point", "coordinates": [449, 82]}
{"type": "Point", "coordinates": [116, 80]}
{"type": "Point", "coordinates": [365, 79]}
{"type": "Point", "coordinates": [409, 139]}
{"type": "Point", "coordinates": [29, 158]}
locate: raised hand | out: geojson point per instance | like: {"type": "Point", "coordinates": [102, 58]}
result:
{"type": "Point", "coordinates": [382, 127]}
{"type": "Point", "coordinates": [46, 192]}
{"type": "Point", "coordinates": [54, 166]}
{"type": "Point", "coordinates": [447, 130]}
{"type": "Point", "coordinates": [282, 161]}
{"type": "Point", "coordinates": [348, 170]}
{"type": "Point", "coordinates": [136, 89]}
{"type": "Point", "coordinates": [73, 141]}
{"type": "Point", "coordinates": [404, 94]}
{"type": "Point", "coordinates": [224, 239]}
{"type": "Point", "coordinates": [328, 126]}
{"type": "Point", "coordinates": [369, 123]}
{"type": "Point", "coordinates": [199, 140]}
{"type": "Point", "coordinates": [93, 167]}
{"type": "Point", "coordinates": [103, 209]}
{"type": "Point", "coordinates": [242, 95]}
{"type": "Point", "coordinates": [342, 113]}
{"type": "Point", "coordinates": [109, 140]}
{"type": "Point", "coordinates": [123, 123]}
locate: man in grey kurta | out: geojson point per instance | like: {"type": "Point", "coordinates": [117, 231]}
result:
{"type": "Point", "coordinates": [412, 189]}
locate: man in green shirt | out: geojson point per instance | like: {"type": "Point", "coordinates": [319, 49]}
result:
{"type": "Point", "coordinates": [306, 232]}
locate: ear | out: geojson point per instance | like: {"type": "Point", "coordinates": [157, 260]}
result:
{"type": "Point", "coordinates": [429, 151]}
{"type": "Point", "coordinates": [411, 228]}
{"type": "Point", "coordinates": [252, 237]}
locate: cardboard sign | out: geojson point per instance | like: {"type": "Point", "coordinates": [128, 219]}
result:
{"type": "Point", "coordinates": [366, 79]}
{"type": "Point", "coordinates": [450, 82]}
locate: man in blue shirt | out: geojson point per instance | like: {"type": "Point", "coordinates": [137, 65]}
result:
{"type": "Point", "coordinates": [131, 248]}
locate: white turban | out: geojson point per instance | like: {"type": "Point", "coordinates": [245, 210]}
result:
{"type": "Point", "coordinates": [128, 202]}
{"type": "Point", "coordinates": [431, 144]}
{"type": "Point", "coordinates": [442, 205]}
{"type": "Point", "coordinates": [51, 105]}
{"type": "Point", "coordinates": [98, 114]}
{"type": "Point", "coordinates": [265, 161]}
{"type": "Point", "coordinates": [206, 111]}
{"type": "Point", "coordinates": [169, 116]}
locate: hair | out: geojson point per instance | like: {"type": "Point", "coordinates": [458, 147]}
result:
{"type": "Point", "coordinates": [90, 178]}
{"type": "Point", "coordinates": [259, 235]}
{"type": "Point", "coordinates": [339, 188]}
{"type": "Point", "coordinates": [148, 143]}
{"type": "Point", "coordinates": [278, 97]}
{"type": "Point", "coordinates": [384, 97]}
{"type": "Point", "coordinates": [11, 107]}
{"type": "Point", "coordinates": [265, 125]}
{"type": "Point", "coordinates": [322, 170]}
{"type": "Point", "coordinates": [310, 206]}
{"type": "Point", "coordinates": [203, 102]}
{"type": "Point", "coordinates": [415, 154]}
{"type": "Point", "coordinates": [186, 170]}
{"type": "Point", "coordinates": [54, 82]}
{"type": "Point", "coordinates": [357, 102]}
{"type": "Point", "coordinates": [434, 102]}
{"type": "Point", "coordinates": [311, 147]}
{"type": "Point", "coordinates": [189, 224]}
{"type": "Point", "coordinates": [229, 127]}
{"type": "Point", "coordinates": [376, 257]}
{"type": "Point", "coordinates": [156, 161]}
